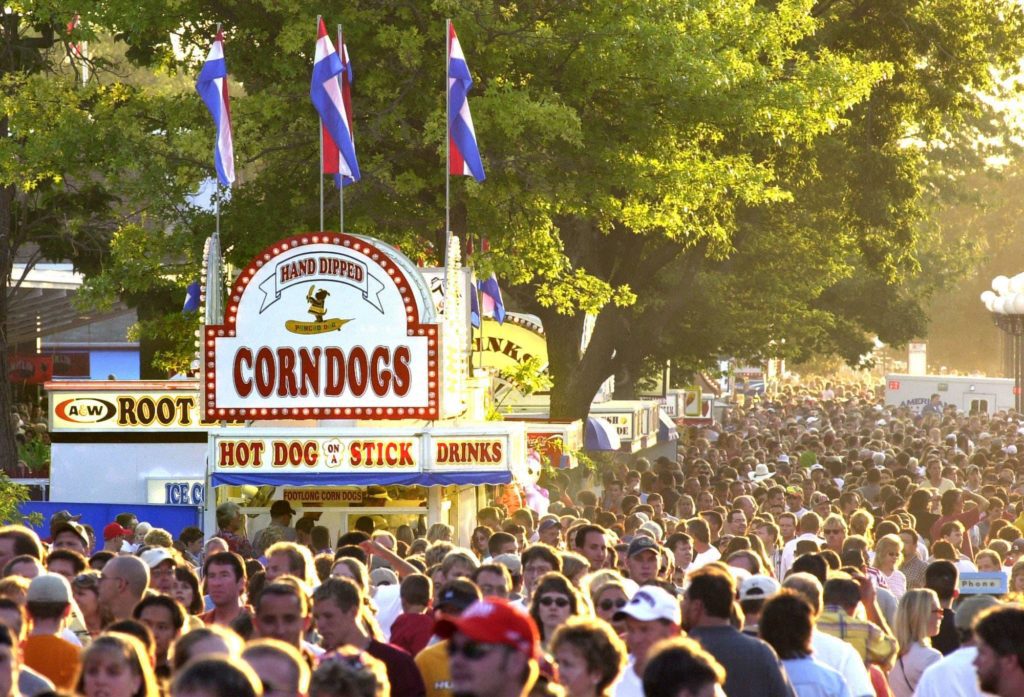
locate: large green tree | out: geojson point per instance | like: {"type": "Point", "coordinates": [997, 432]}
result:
{"type": "Point", "coordinates": [621, 139]}
{"type": "Point", "coordinates": [704, 177]}
{"type": "Point", "coordinates": [79, 159]}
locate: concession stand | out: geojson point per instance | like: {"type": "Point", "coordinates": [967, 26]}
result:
{"type": "Point", "coordinates": [333, 374]}
{"type": "Point", "coordinates": [353, 375]}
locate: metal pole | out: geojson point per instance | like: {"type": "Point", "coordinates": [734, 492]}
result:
{"type": "Point", "coordinates": [1018, 346]}
{"type": "Point", "coordinates": [320, 169]}
{"type": "Point", "coordinates": [447, 156]}
{"type": "Point", "coordinates": [447, 136]}
{"type": "Point", "coordinates": [341, 179]}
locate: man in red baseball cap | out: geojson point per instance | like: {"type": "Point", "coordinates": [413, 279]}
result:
{"type": "Point", "coordinates": [114, 536]}
{"type": "Point", "coordinates": [493, 649]}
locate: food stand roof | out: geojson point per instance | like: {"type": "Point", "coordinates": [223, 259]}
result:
{"type": "Point", "coordinates": [42, 303]}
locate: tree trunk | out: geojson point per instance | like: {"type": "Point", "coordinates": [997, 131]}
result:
{"type": "Point", "coordinates": [8, 446]}
{"type": "Point", "coordinates": [576, 377]}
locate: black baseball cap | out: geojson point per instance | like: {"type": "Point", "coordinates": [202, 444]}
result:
{"type": "Point", "coordinates": [457, 595]}
{"type": "Point", "coordinates": [641, 543]}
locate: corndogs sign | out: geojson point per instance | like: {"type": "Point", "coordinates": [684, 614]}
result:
{"type": "Point", "coordinates": [324, 325]}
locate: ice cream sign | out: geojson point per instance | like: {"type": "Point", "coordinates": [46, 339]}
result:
{"type": "Point", "coordinates": [324, 325]}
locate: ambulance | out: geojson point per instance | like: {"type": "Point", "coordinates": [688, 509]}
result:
{"type": "Point", "coordinates": [967, 393]}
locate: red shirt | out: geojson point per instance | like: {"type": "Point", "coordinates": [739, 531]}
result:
{"type": "Point", "coordinates": [968, 519]}
{"type": "Point", "coordinates": [412, 631]}
{"type": "Point", "coordinates": [208, 618]}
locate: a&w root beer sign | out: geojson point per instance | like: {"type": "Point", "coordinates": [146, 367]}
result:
{"type": "Point", "coordinates": [323, 325]}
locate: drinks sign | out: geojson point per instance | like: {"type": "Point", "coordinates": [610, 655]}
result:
{"type": "Point", "coordinates": [323, 325]}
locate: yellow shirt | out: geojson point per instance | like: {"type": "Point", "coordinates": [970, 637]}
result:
{"type": "Point", "coordinates": [433, 664]}
{"type": "Point", "coordinates": [873, 645]}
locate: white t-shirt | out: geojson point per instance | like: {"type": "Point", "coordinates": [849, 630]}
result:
{"type": "Point", "coordinates": [630, 684]}
{"type": "Point", "coordinates": [705, 557]}
{"type": "Point", "coordinates": [789, 550]}
{"type": "Point", "coordinates": [837, 654]}
{"type": "Point", "coordinates": [388, 600]}
{"type": "Point", "coordinates": [952, 676]}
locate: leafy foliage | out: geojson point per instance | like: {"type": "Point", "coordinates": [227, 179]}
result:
{"type": "Point", "coordinates": [706, 177]}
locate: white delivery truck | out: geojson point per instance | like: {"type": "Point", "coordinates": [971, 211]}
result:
{"type": "Point", "coordinates": [967, 394]}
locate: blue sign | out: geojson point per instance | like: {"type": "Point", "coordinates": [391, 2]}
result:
{"type": "Point", "coordinates": [184, 493]}
{"type": "Point", "coordinates": [984, 583]}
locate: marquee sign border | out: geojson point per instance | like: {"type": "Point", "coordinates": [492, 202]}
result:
{"type": "Point", "coordinates": [413, 328]}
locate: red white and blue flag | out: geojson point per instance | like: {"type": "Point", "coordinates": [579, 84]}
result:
{"type": "Point", "coordinates": [463, 153]}
{"type": "Point", "coordinates": [491, 304]}
{"type": "Point", "coordinates": [325, 91]}
{"type": "Point", "coordinates": [331, 155]}
{"type": "Point", "coordinates": [212, 86]}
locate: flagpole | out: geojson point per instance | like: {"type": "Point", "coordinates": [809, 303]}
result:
{"type": "Point", "coordinates": [480, 309]}
{"type": "Point", "coordinates": [216, 179]}
{"type": "Point", "coordinates": [341, 178]}
{"type": "Point", "coordinates": [320, 167]}
{"type": "Point", "coordinates": [447, 149]}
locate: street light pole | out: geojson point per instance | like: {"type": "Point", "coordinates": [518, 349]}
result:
{"type": "Point", "coordinates": [1006, 303]}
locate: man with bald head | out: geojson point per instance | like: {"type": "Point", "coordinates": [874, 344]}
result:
{"type": "Point", "coordinates": [121, 585]}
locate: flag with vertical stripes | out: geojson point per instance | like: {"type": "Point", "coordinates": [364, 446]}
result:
{"type": "Point", "coordinates": [212, 86]}
{"type": "Point", "coordinates": [463, 153]}
{"type": "Point", "coordinates": [325, 92]}
{"type": "Point", "coordinates": [331, 154]}
{"type": "Point", "coordinates": [491, 303]}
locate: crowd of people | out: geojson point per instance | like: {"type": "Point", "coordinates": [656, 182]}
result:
{"type": "Point", "coordinates": [807, 544]}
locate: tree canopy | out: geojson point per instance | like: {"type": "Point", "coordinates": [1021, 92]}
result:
{"type": "Point", "coordinates": [706, 177]}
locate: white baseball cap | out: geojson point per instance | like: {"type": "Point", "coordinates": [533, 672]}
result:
{"type": "Point", "coordinates": [758, 587]}
{"type": "Point", "coordinates": [651, 603]}
{"type": "Point", "coordinates": [155, 556]}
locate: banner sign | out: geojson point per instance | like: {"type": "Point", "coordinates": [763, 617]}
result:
{"type": "Point", "coordinates": [121, 408]}
{"type": "Point", "coordinates": [324, 325]}
{"type": "Point", "coordinates": [622, 421]}
{"type": "Point", "coordinates": [323, 495]}
{"type": "Point", "coordinates": [469, 452]}
{"type": "Point", "coordinates": [29, 368]}
{"type": "Point", "coordinates": [361, 450]}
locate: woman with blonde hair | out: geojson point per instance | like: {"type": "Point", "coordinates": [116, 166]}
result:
{"type": "Point", "coordinates": [115, 665]}
{"type": "Point", "coordinates": [355, 570]}
{"type": "Point", "coordinates": [608, 598]}
{"type": "Point", "coordinates": [574, 566]}
{"type": "Point", "coordinates": [861, 523]}
{"type": "Point", "coordinates": [440, 532]}
{"type": "Point", "coordinates": [918, 617]}
{"type": "Point", "coordinates": [888, 557]}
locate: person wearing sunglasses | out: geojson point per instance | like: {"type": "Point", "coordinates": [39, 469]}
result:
{"type": "Point", "coordinates": [609, 598]}
{"type": "Point", "coordinates": [493, 650]}
{"type": "Point", "coordinates": [554, 601]}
